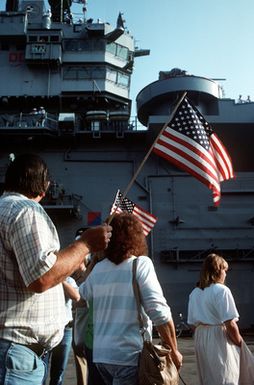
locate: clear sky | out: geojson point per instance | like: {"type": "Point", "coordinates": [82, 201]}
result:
{"type": "Point", "coordinates": [210, 38]}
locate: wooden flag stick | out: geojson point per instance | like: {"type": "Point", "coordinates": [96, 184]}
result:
{"type": "Point", "coordinates": [147, 155]}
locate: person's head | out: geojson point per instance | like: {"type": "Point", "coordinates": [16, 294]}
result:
{"type": "Point", "coordinates": [213, 270]}
{"type": "Point", "coordinates": [27, 174]}
{"type": "Point", "coordinates": [127, 238]}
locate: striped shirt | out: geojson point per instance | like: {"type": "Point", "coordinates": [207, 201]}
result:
{"type": "Point", "coordinates": [117, 339]}
{"type": "Point", "coordinates": [28, 240]}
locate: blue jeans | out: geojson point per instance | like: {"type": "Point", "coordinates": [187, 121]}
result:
{"type": "Point", "coordinates": [94, 376]}
{"type": "Point", "coordinates": [118, 374]}
{"type": "Point", "coordinates": [19, 365]}
{"type": "Point", "coordinates": [59, 357]}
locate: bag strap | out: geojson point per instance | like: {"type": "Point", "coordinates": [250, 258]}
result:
{"type": "Point", "coordinates": [138, 298]}
{"type": "Point", "coordinates": [137, 294]}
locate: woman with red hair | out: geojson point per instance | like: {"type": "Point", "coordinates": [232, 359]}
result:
{"type": "Point", "coordinates": [117, 340]}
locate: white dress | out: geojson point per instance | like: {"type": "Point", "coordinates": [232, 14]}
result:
{"type": "Point", "coordinates": [218, 359]}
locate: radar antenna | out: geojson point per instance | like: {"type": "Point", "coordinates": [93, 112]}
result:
{"type": "Point", "coordinates": [120, 21]}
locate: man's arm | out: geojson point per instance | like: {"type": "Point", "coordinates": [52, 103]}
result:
{"type": "Point", "coordinates": [70, 258]}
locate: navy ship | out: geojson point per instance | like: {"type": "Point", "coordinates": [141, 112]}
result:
{"type": "Point", "coordinates": [64, 94]}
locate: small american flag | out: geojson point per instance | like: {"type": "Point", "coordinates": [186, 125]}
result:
{"type": "Point", "coordinates": [126, 205]}
{"type": "Point", "coordinates": [190, 143]}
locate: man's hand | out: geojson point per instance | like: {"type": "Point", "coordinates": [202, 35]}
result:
{"type": "Point", "coordinates": [97, 238]}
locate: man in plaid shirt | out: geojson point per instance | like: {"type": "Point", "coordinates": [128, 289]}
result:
{"type": "Point", "coordinates": [32, 268]}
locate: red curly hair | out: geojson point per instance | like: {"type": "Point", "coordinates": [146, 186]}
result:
{"type": "Point", "coordinates": [127, 238]}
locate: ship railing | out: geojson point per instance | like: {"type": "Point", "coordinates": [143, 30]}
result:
{"type": "Point", "coordinates": [29, 121]}
{"type": "Point", "coordinates": [50, 122]}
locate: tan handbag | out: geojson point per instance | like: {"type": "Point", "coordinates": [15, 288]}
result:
{"type": "Point", "coordinates": [155, 364]}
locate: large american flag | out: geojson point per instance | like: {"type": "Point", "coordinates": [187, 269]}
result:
{"type": "Point", "coordinates": [120, 205]}
{"type": "Point", "coordinates": [190, 143]}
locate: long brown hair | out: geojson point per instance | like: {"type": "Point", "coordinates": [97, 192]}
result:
{"type": "Point", "coordinates": [211, 270]}
{"type": "Point", "coordinates": [127, 238]}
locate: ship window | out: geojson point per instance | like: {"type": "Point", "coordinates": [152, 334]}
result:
{"type": "Point", "coordinates": [84, 73]}
{"type": "Point", "coordinates": [43, 39]}
{"type": "Point", "coordinates": [70, 73]}
{"type": "Point", "coordinates": [95, 126]}
{"type": "Point", "coordinates": [122, 52]}
{"type": "Point", "coordinates": [98, 45]}
{"type": "Point", "coordinates": [75, 73]}
{"type": "Point", "coordinates": [76, 45]}
{"type": "Point", "coordinates": [99, 73]}
{"type": "Point", "coordinates": [118, 50]}
{"type": "Point", "coordinates": [111, 75]}
{"type": "Point", "coordinates": [111, 48]}
{"type": "Point", "coordinates": [123, 80]}
{"type": "Point", "coordinates": [84, 45]}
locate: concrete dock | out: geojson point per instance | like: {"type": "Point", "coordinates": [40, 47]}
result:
{"type": "Point", "coordinates": [188, 371]}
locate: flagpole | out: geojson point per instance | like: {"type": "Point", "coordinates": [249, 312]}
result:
{"type": "Point", "coordinates": [147, 155]}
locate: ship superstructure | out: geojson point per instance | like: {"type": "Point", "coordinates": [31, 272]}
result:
{"type": "Point", "coordinates": [65, 95]}
{"type": "Point", "coordinates": [79, 71]}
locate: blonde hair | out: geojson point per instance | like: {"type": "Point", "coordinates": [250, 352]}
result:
{"type": "Point", "coordinates": [211, 270]}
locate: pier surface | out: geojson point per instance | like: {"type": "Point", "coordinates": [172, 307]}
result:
{"type": "Point", "coordinates": [188, 371]}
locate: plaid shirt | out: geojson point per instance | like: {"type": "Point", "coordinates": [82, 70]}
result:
{"type": "Point", "coordinates": [28, 240]}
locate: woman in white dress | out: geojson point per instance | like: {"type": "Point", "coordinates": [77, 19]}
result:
{"type": "Point", "coordinates": [212, 313]}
